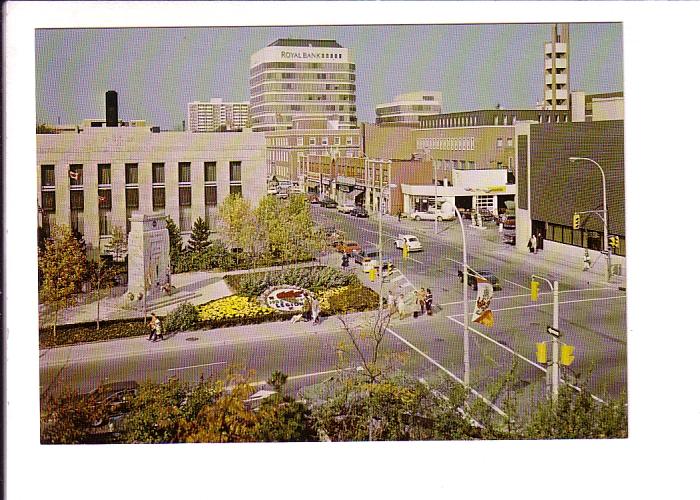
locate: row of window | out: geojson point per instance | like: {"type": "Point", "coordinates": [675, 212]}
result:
{"type": "Point", "coordinates": [580, 238]}
{"type": "Point", "coordinates": [131, 172]}
{"type": "Point", "coordinates": [301, 65]}
{"type": "Point", "coordinates": [269, 97]}
{"type": "Point", "coordinates": [77, 206]}
{"type": "Point", "coordinates": [305, 108]}
{"type": "Point", "coordinates": [305, 87]}
{"type": "Point", "coordinates": [408, 108]}
{"type": "Point", "coordinates": [272, 77]}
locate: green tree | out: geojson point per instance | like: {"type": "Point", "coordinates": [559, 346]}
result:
{"type": "Point", "coordinates": [101, 275]}
{"type": "Point", "coordinates": [175, 241]}
{"type": "Point", "coordinates": [117, 246]}
{"type": "Point", "coordinates": [63, 266]}
{"type": "Point", "coordinates": [277, 380]}
{"type": "Point", "coordinates": [199, 239]}
{"type": "Point", "coordinates": [238, 223]}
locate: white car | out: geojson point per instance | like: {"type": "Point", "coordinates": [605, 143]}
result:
{"type": "Point", "coordinates": [346, 208]}
{"type": "Point", "coordinates": [432, 215]}
{"type": "Point", "coordinates": [413, 244]}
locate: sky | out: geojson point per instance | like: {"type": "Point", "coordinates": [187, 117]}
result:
{"type": "Point", "coordinates": [157, 71]}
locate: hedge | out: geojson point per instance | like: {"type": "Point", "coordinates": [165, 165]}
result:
{"type": "Point", "coordinates": [86, 332]}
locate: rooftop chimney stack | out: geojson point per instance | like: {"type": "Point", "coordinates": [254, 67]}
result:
{"type": "Point", "coordinates": [112, 108]}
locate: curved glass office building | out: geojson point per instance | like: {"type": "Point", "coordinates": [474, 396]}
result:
{"type": "Point", "coordinates": [292, 78]}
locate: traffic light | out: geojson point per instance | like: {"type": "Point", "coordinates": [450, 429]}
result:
{"type": "Point", "coordinates": [534, 289]}
{"type": "Point", "coordinates": [577, 221]}
{"type": "Point", "coordinates": [542, 352]}
{"type": "Point", "coordinates": [372, 274]}
{"type": "Point", "coordinates": [405, 250]}
{"type": "Point", "coordinates": [567, 354]}
{"type": "Point", "coordinates": [614, 241]}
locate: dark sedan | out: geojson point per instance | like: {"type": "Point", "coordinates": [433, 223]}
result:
{"type": "Point", "coordinates": [328, 203]}
{"type": "Point", "coordinates": [359, 212]}
{"type": "Point", "coordinates": [485, 273]}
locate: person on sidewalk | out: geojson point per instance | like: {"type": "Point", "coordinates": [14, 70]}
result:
{"type": "Point", "coordinates": [346, 260]}
{"type": "Point", "coordinates": [420, 300]}
{"type": "Point", "coordinates": [540, 241]}
{"type": "Point", "coordinates": [586, 260]}
{"type": "Point", "coordinates": [429, 302]}
{"type": "Point", "coordinates": [401, 305]}
{"type": "Point", "coordinates": [533, 244]}
{"type": "Point", "coordinates": [391, 303]}
{"type": "Point", "coordinates": [315, 310]}
{"type": "Point", "coordinates": [307, 308]}
{"type": "Point", "coordinates": [155, 327]}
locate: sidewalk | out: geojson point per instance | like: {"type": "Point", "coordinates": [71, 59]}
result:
{"type": "Point", "coordinates": [137, 346]}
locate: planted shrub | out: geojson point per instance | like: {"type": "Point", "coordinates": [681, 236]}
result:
{"type": "Point", "coordinates": [353, 298]}
{"type": "Point", "coordinates": [315, 279]}
{"type": "Point", "coordinates": [185, 317]}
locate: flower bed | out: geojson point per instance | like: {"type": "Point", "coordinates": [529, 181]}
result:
{"type": "Point", "coordinates": [233, 306]}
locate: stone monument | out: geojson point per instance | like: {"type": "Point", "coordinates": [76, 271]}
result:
{"type": "Point", "coordinates": [149, 256]}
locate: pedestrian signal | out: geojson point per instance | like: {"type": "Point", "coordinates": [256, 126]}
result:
{"type": "Point", "coordinates": [542, 352]}
{"type": "Point", "coordinates": [614, 241]}
{"type": "Point", "coordinates": [577, 221]}
{"type": "Point", "coordinates": [372, 274]}
{"type": "Point", "coordinates": [534, 289]}
{"type": "Point", "coordinates": [567, 354]}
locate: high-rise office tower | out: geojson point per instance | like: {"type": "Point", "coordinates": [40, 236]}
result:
{"type": "Point", "coordinates": [216, 115]}
{"type": "Point", "coordinates": [556, 69]}
{"type": "Point", "coordinates": [292, 78]}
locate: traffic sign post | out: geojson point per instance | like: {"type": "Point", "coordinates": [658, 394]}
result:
{"type": "Point", "coordinates": [552, 330]}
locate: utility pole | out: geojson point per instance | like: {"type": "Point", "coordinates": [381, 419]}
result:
{"type": "Point", "coordinates": [465, 285]}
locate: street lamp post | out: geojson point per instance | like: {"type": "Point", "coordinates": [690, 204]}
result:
{"type": "Point", "coordinates": [465, 285]}
{"type": "Point", "coordinates": [606, 248]}
{"type": "Point", "coordinates": [381, 258]}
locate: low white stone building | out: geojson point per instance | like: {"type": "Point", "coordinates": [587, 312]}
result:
{"type": "Point", "coordinates": [94, 180]}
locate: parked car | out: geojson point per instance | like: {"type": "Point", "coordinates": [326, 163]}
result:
{"type": "Point", "coordinates": [359, 212]}
{"type": "Point", "coordinates": [313, 199]}
{"type": "Point", "coordinates": [414, 245]}
{"type": "Point", "coordinates": [111, 399]}
{"type": "Point", "coordinates": [485, 273]}
{"type": "Point", "coordinates": [368, 258]}
{"type": "Point", "coordinates": [431, 214]}
{"type": "Point", "coordinates": [346, 208]}
{"type": "Point", "coordinates": [486, 216]}
{"type": "Point", "coordinates": [508, 222]}
{"type": "Point", "coordinates": [348, 247]}
{"type": "Point", "coordinates": [509, 238]}
{"type": "Point", "coordinates": [328, 203]}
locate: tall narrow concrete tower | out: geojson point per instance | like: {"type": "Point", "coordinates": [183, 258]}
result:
{"type": "Point", "coordinates": [556, 69]}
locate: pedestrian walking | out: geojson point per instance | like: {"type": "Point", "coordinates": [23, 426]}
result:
{"type": "Point", "coordinates": [391, 303]}
{"type": "Point", "coordinates": [420, 299]}
{"type": "Point", "coordinates": [306, 308]}
{"type": "Point", "coordinates": [401, 305]}
{"type": "Point", "coordinates": [346, 260]}
{"type": "Point", "coordinates": [533, 244]}
{"type": "Point", "coordinates": [398, 215]}
{"type": "Point", "coordinates": [540, 241]}
{"type": "Point", "coordinates": [586, 260]}
{"type": "Point", "coordinates": [156, 328]}
{"type": "Point", "coordinates": [315, 310]}
{"type": "Point", "coordinates": [429, 302]}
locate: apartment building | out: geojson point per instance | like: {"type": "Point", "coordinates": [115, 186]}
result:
{"type": "Point", "coordinates": [406, 109]}
{"type": "Point", "coordinates": [95, 180]}
{"type": "Point", "coordinates": [217, 116]}
{"type": "Point", "coordinates": [293, 78]}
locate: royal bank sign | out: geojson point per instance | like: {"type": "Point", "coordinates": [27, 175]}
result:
{"type": "Point", "coordinates": [289, 54]}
